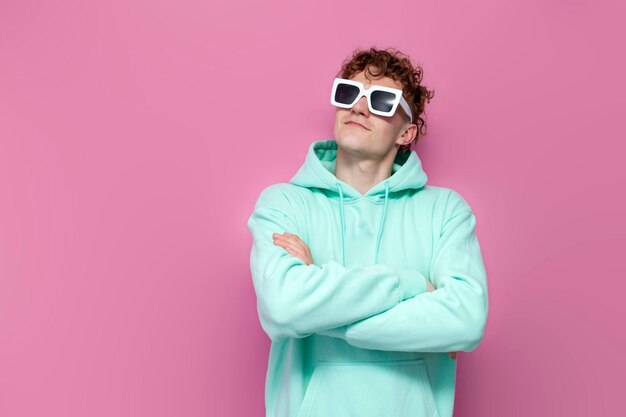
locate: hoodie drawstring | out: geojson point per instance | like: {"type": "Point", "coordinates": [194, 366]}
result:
{"type": "Point", "coordinates": [343, 224]}
{"type": "Point", "coordinates": [382, 222]}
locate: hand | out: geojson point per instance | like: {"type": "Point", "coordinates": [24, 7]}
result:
{"type": "Point", "coordinates": [294, 245]}
{"type": "Point", "coordinates": [431, 288]}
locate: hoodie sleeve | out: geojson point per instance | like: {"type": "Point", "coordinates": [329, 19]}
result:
{"type": "Point", "coordinates": [451, 318]}
{"type": "Point", "coordinates": [297, 300]}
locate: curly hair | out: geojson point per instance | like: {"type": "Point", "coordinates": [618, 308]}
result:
{"type": "Point", "coordinates": [394, 64]}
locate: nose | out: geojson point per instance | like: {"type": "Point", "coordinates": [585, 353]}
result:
{"type": "Point", "coordinates": [360, 107]}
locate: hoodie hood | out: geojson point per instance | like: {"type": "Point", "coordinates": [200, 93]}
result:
{"type": "Point", "coordinates": [318, 171]}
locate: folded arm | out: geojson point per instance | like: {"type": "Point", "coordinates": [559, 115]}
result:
{"type": "Point", "coordinates": [451, 318]}
{"type": "Point", "coordinates": [297, 300]}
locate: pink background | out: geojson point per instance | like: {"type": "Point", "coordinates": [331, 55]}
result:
{"type": "Point", "coordinates": [135, 137]}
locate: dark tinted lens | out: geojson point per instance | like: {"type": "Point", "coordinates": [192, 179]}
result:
{"type": "Point", "coordinates": [382, 100]}
{"type": "Point", "coordinates": [346, 93]}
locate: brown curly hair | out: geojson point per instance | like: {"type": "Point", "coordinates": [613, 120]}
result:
{"type": "Point", "coordinates": [394, 64]}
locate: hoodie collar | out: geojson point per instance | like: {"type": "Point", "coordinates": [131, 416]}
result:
{"type": "Point", "coordinates": [318, 171]}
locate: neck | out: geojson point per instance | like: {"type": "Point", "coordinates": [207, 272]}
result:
{"type": "Point", "coordinates": [363, 173]}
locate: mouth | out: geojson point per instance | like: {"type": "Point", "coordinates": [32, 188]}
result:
{"type": "Point", "coordinates": [357, 125]}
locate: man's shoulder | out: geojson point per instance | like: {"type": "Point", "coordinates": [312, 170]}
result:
{"type": "Point", "coordinates": [439, 189]}
{"type": "Point", "coordinates": [281, 194]}
{"type": "Point", "coordinates": [436, 191]}
{"type": "Point", "coordinates": [280, 189]}
{"type": "Point", "coordinates": [453, 201]}
{"type": "Point", "coordinates": [446, 198]}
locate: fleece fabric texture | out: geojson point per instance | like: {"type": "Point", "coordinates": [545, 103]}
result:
{"type": "Point", "coordinates": [357, 333]}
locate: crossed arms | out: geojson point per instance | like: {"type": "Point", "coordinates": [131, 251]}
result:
{"type": "Point", "coordinates": [373, 307]}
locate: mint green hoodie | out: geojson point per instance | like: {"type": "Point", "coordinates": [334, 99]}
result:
{"type": "Point", "coordinates": [357, 333]}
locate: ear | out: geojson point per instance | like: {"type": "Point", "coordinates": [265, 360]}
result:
{"type": "Point", "coordinates": [408, 134]}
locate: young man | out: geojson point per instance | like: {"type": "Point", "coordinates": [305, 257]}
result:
{"type": "Point", "coordinates": [368, 281]}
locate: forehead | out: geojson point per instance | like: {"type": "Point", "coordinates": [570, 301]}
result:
{"type": "Point", "coordinates": [371, 80]}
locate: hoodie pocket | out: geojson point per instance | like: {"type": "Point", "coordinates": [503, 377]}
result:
{"type": "Point", "coordinates": [369, 389]}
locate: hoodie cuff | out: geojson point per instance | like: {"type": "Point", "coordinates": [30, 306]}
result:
{"type": "Point", "coordinates": [411, 283]}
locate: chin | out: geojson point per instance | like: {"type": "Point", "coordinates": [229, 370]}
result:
{"type": "Point", "coordinates": [352, 141]}
{"type": "Point", "coordinates": [347, 132]}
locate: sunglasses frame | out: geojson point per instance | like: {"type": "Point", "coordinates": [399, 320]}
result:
{"type": "Point", "coordinates": [399, 99]}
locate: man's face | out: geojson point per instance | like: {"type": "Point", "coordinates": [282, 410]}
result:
{"type": "Point", "coordinates": [379, 134]}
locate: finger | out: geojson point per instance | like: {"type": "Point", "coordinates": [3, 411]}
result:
{"type": "Point", "coordinates": [292, 249]}
{"type": "Point", "coordinates": [295, 243]}
{"type": "Point", "coordinates": [292, 236]}
{"type": "Point", "coordinates": [281, 235]}
{"type": "Point", "coordinates": [304, 251]}
{"type": "Point", "coordinates": [284, 243]}
{"type": "Point", "coordinates": [295, 237]}
{"type": "Point", "coordinates": [284, 238]}
{"type": "Point", "coordinates": [297, 254]}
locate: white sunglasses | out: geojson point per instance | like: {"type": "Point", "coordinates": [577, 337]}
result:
{"type": "Point", "coordinates": [382, 101]}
